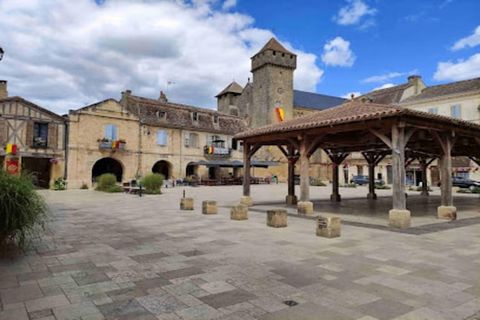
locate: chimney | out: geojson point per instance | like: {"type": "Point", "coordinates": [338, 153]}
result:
{"type": "Point", "coordinates": [125, 95]}
{"type": "Point", "coordinates": [3, 89]}
{"type": "Point", "coordinates": [416, 81]}
{"type": "Point", "coordinates": [162, 97]}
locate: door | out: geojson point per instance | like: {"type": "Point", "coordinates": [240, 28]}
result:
{"type": "Point", "coordinates": [39, 168]}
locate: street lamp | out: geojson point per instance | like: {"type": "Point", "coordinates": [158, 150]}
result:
{"type": "Point", "coordinates": [1, 53]}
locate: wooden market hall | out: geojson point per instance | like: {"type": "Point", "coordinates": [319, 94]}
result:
{"type": "Point", "coordinates": [376, 131]}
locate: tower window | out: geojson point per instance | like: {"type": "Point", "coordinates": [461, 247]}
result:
{"type": "Point", "coordinates": [283, 54]}
{"type": "Point", "coordinates": [274, 53]}
{"type": "Point", "coordinates": [195, 116]}
{"type": "Point", "coordinates": [215, 118]}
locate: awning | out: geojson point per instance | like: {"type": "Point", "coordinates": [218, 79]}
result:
{"type": "Point", "coordinates": [234, 163]}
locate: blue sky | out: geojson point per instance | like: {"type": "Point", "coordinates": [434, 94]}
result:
{"type": "Point", "coordinates": [405, 36]}
{"type": "Point", "coordinates": [66, 54]}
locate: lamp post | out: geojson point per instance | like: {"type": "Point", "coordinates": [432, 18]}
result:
{"type": "Point", "coordinates": [1, 53]}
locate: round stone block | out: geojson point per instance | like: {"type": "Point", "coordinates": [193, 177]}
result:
{"type": "Point", "coordinates": [277, 218]}
{"type": "Point", "coordinates": [447, 212]}
{"type": "Point", "coordinates": [399, 218]}
{"type": "Point", "coordinates": [246, 200]}
{"type": "Point", "coordinates": [291, 200]}
{"type": "Point", "coordinates": [239, 212]}
{"type": "Point", "coordinates": [209, 207]}
{"type": "Point", "coordinates": [186, 204]}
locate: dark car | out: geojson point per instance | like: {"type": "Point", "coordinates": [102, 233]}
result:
{"type": "Point", "coordinates": [362, 180]}
{"type": "Point", "coordinates": [465, 183]}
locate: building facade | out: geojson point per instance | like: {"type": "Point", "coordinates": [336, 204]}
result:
{"type": "Point", "coordinates": [32, 139]}
{"type": "Point", "coordinates": [136, 136]}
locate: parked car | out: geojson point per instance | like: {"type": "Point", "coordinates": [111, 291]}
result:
{"type": "Point", "coordinates": [465, 183]}
{"type": "Point", "coordinates": [362, 180]}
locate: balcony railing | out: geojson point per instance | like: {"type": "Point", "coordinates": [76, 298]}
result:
{"type": "Point", "coordinates": [212, 151]}
{"type": "Point", "coordinates": [111, 145]}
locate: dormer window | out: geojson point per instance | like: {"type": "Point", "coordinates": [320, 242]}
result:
{"type": "Point", "coordinates": [161, 115]}
{"type": "Point", "coordinates": [195, 116]}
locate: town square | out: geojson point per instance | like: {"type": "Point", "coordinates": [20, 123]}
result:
{"type": "Point", "coordinates": [206, 160]}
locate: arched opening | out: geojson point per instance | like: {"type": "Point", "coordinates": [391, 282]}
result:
{"type": "Point", "coordinates": [191, 170]}
{"type": "Point", "coordinates": [107, 165]}
{"type": "Point", "coordinates": [163, 167]}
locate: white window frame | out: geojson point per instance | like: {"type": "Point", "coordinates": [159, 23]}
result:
{"type": "Point", "coordinates": [456, 107]}
{"type": "Point", "coordinates": [433, 110]}
{"type": "Point", "coordinates": [110, 131]}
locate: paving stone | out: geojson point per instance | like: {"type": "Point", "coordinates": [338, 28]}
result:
{"type": "Point", "coordinates": [203, 312]}
{"type": "Point", "coordinates": [90, 277]}
{"type": "Point", "coordinates": [158, 304]}
{"type": "Point", "coordinates": [20, 294]}
{"type": "Point", "coordinates": [305, 311]}
{"type": "Point", "coordinates": [180, 273]}
{"type": "Point", "coordinates": [217, 287]}
{"type": "Point", "coordinates": [227, 298]}
{"type": "Point", "coordinates": [14, 314]}
{"type": "Point", "coordinates": [76, 311]}
{"type": "Point", "coordinates": [151, 283]}
{"type": "Point", "coordinates": [46, 302]}
{"type": "Point", "coordinates": [124, 308]}
{"type": "Point", "coordinates": [385, 309]}
{"type": "Point", "coordinates": [34, 315]}
{"type": "Point", "coordinates": [149, 257]}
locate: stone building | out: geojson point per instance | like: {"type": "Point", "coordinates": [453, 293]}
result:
{"type": "Point", "coordinates": [32, 139]}
{"type": "Point", "coordinates": [271, 98]}
{"type": "Point", "coordinates": [460, 99]}
{"type": "Point", "coordinates": [136, 136]}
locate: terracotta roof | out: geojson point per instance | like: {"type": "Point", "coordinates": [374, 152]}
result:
{"type": "Point", "coordinates": [446, 89]}
{"type": "Point", "coordinates": [390, 95]}
{"type": "Point", "coordinates": [33, 105]}
{"type": "Point", "coordinates": [233, 87]}
{"type": "Point", "coordinates": [274, 45]}
{"type": "Point", "coordinates": [180, 116]}
{"type": "Point", "coordinates": [349, 112]}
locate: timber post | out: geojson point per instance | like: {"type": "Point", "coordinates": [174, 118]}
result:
{"type": "Point", "coordinates": [446, 210]}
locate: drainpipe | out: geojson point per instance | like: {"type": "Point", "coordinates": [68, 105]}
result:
{"type": "Point", "coordinates": [65, 145]}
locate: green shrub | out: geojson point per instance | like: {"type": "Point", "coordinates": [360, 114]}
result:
{"type": "Point", "coordinates": [467, 190]}
{"type": "Point", "coordinates": [348, 185]}
{"type": "Point", "coordinates": [317, 183]}
{"type": "Point", "coordinates": [60, 184]}
{"type": "Point", "coordinates": [152, 183]}
{"type": "Point", "coordinates": [106, 181]}
{"type": "Point", "coordinates": [22, 209]}
{"type": "Point", "coordinates": [84, 186]}
{"type": "Point", "coordinates": [113, 189]}
{"type": "Point", "coordinates": [382, 187]}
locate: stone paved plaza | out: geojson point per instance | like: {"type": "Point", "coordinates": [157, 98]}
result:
{"type": "Point", "coordinates": [118, 256]}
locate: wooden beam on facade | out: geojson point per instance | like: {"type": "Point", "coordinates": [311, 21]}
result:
{"type": "Point", "coordinates": [382, 137]}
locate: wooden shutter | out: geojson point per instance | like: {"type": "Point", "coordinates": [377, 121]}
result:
{"type": "Point", "coordinates": [29, 135]}
{"type": "Point", "coordinates": [3, 132]}
{"type": "Point", "coordinates": [52, 136]}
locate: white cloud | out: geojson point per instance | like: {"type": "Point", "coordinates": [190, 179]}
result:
{"type": "Point", "coordinates": [384, 86]}
{"type": "Point", "coordinates": [460, 70]}
{"type": "Point", "coordinates": [387, 76]}
{"type": "Point", "coordinates": [354, 12]}
{"type": "Point", "coordinates": [229, 4]}
{"type": "Point", "coordinates": [337, 52]}
{"type": "Point", "coordinates": [62, 59]}
{"type": "Point", "coordinates": [471, 41]}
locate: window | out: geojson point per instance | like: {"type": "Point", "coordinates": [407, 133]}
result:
{"type": "Point", "coordinates": [161, 114]}
{"type": "Point", "coordinates": [215, 118]}
{"type": "Point", "coordinates": [191, 140]}
{"type": "Point", "coordinates": [433, 110]}
{"type": "Point", "coordinates": [195, 116]}
{"type": "Point", "coordinates": [162, 137]}
{"type": "Point", "coordinates": [456, 111]}
{"type": "Point", "coordinates": [40, 135]}
{"type": "Point", "coordinates": [111, 132]}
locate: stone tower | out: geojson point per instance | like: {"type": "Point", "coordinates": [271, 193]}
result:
{"type": "Point", "coordinates": [227, 99]}
{"type": "Point", "coordinates": [272, 69]}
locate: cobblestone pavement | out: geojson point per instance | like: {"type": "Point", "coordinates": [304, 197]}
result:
{"type": "Point", "coordinates": [118, 256]}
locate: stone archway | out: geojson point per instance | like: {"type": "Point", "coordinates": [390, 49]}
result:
{"type": "Point", "coordinates": [191, 169]}
{"type": "Point", "coordinates": [163, 167]}
{"type": "Point", "coordinates": [107, 165]}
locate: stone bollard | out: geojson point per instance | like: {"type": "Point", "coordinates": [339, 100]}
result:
{"type": "Point", "coordinates": [239, 212]}
{"type": "Point", "coordinates": [329, 227]}
{"type": "Point", "coordinates": [305, 208]}
{"type": "Point", "coordinates": [186, 204]}
{"type": "Point", "coordinates": [246, 200]}
{"type": "Point", "coordinates": [209, 207]}
{"type": "Point", "coordinates": [447, 213]}
{"type": "Point", "coordinates": [277, 218]}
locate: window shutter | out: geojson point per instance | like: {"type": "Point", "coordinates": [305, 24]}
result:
{"type": "Point", "coordinates": [52, 136]}
{"type": "Point", "coordinates": [29, 135]}
{"type": "Point", "coordinates": [234, 144]}
{"type": "Point", "coordinates": [3, 132]}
